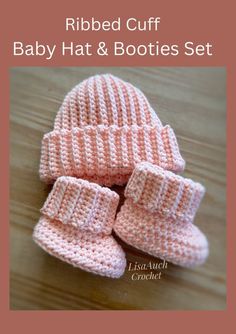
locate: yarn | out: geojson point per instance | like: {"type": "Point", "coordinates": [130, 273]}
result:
{"type": "Point", "coordinates": [103, 128]}
{"type": "Point", "coordinates": [158, 213]}
{"type": "Point", "coordinates": [76, 224]}
{"type": "Point", "coordinates": [106, 133]}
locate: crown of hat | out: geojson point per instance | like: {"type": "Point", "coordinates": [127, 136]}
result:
{"type": "Point", "coordinates": [105, 100]}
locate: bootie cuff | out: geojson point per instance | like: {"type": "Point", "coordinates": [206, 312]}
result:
{"type": "Point", "coordinates": [82, 204]}
{"type": "Point", "coordinates": [165, 193]}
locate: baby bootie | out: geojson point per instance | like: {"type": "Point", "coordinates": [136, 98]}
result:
{"type": "Point", "coordinates": [103, 128]}
{"type": "Point", "coordinates": [158, 213]}
{"type": "Point", "coordinates": [76, 224]}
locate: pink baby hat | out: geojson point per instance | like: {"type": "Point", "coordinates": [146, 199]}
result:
{"type": "Point", "coordinates": [103, 128]}
{"type": "Point", "coordinates": [158, 213]}
{"type": "Point", "coordinates": [76, 224]}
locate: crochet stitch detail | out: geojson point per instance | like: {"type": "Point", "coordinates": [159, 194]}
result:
{"type": "Point", "coordinates": [103, 128]}
{"type": "Point", "coordinates": [76, 224]}
{"type": "Point", "coordinates": [82, 204]}
{"type": "Point", "coordinates": [171, 195]}
{"type": "Point", "coordinates": [103, 151]}
{"type": "Point", "coordinates": [157, 216]}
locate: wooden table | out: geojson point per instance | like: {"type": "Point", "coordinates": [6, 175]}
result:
{"type": "Point", "coordinates": [192, 101]}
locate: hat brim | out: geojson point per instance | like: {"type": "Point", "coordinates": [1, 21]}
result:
{"type": "Point", "coordinates": [107, 155]}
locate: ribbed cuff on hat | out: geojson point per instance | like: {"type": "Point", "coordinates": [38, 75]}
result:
{"type": "Point", "coordinates": [95, 152]}
{"type": "Point", "coordinates": [82, 204]}
{"type": "Point", "coordinates": [165, 193]}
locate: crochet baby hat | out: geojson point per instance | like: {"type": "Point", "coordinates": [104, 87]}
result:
{"type": "Point", "coordinates": [158, 213]}
{"type": "Point", "coordinates": [103, 128]}
{"type": "Point", "coordinates": [76, 224]}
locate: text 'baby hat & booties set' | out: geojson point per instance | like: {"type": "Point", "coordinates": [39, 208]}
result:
{"type": "Point", "coordinates": [106, 133]}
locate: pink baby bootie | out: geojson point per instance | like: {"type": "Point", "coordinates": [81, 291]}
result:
{"type": "Point", "coordinates": [103, 128]}
{"type": "Point", "coordinates": [76, 224]}
{"type": "Point", "coordinates": [158, 213]}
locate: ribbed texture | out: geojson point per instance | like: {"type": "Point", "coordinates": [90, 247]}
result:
{"type": "Point", "coordinates": [107, 151]}
{"type": "Point", "coordinates": [105, 100]}
{"type": "Point", "coordinates": [76, 224]}
{"type": "Point", "coordinates": [82, 204]}
{"type": "Point", "coordinates": [103, 128]}
{"type": "Point", "coordinates": [157, 216]}
{"type": "Point", "coordinates": [171, 195]}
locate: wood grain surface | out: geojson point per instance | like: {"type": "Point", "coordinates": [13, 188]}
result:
{"type": "Point", "coordinates": [192, 101]}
